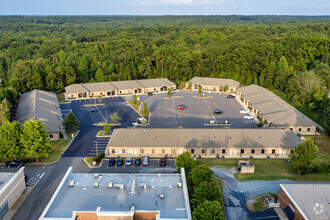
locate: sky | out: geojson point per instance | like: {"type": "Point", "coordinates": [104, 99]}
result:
{"type": "Point", "coordinates": [164, 7]}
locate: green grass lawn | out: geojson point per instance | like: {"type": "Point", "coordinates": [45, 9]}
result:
{"type": "Point", "coordinates": [274, 169]}
{"type": "Point", "coordinates": [58, 147]}
{"type": "Point", "coordinates": [61, 98]}
{"type": "Point", "coordinates": [259, 204]}
{"type": "Point", "coordinates": [101, 134]}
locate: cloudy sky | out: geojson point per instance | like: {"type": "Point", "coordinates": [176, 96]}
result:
{"type": "Point", "coordinates": [164, 7]}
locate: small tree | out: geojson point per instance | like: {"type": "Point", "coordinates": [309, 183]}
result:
{"type": "Point", "coordinates": [304, 155]}
{"type": "Point", "coordinates": [145, 109]}
{"type": "Point", "coordinates": [99, 98]}
{"type": "Point", "coordinates": [226, 88]}
{"type": "Point", "coordinates": [199, 90]}
{"type": "Point", "coordinates": [106, 128]}
{"type": "Point", "coordinates": [135, 102]}
{"type": "Point", "coordinates": [70, 122]}
{"type": "Point", "coordinates": [115, 118]}
{"type": "Point", "coordinates": [209, 210]}
{"type": "Point", "coordinates": [189, 85]}
{"type": "Point", "coordinates": [34, 140]}
{"type": "Point", "coordinates": [10, 135]}
{"type": "Point", "coordinates": [201, 173]}
{"type": "Point", "coordinates": [206, 191]}
{"type": "Point", "coordinates": [169, 92]}
{"type": "Point", "coordinates": [185, 160]}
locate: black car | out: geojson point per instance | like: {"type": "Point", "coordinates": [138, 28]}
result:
{"type": "Point", "coordinates": [120, 162]}
{"type": "Point", "coordinates": [217, 111]}
{"type": "Point", "coordinates": [137, 162]}
{"type": "Point", "coordinates": [92, 110]}
{"type": "Point", "coordinates": [112, 162]}
{"type": "Point", "coordinates": [149, 93]}
{"type": "Point", "coordinates": [230, 96]}
{"type": "Point", "coordinates": [162, 162]}
{"type": "Point", "coordinates": [14, 163]}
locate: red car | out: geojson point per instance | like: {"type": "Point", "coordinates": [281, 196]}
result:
{"type": "Point", "coordinates": [181, 107]}
{"type": "Point", "coordinates": [162, 162]}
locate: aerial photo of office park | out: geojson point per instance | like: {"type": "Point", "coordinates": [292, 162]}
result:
{"type": "Point", "coordinates": [184, 116]}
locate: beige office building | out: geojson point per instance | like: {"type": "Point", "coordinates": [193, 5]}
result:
{"type": "Point", "coordinates": [275, 111]}
{"type": "Point", "coordinates": [210, 143]}
{"type": "Point", "coordinates": [106, 89]}
{"type": "Point", "coordinates": [213, 84]}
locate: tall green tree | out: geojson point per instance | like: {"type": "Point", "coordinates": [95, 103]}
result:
{"type": "Point", "coordinates": [304, 155]}
{"type": "Point", "coordinates": [83, 70]}
{"type": "Point", "coordinates": [4, 111]}
{"type": "Point", "coordinates": [186, 161]}
{"type": "Point", "coordinates": [145, 109]}
{"type": "Point", "coordinates": [282, 74]}
{"type": "Point", "coordinates": [34, 140]}
{"type": "Point", "coordinates": [70, 122]}
{"type": "Point", "coordinates": [201, 173]}
{"type": "Point", "coordinates": [99, 75]}
{"type": "Point", "coordinates": [209, 210]}
{"type": "Point", "coordinates": [10, 135]}
{"type": "Point", "coordinates": [206, 191]}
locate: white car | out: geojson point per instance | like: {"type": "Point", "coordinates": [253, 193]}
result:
{"type": "Point", "coordinates": [129, 161]}
{"type": "Point", "coordinates": [243, 111]}
{"type": "Point", "coordinates": [248, 117]}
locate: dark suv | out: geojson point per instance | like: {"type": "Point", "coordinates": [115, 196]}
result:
{"type": "Point", "coordinates": [217, 111]}
{"type": "Point", "coordinates": [162, 162]}
{"type": "Point", "coordinates": [15, 163]}
{"type": "Point", "coordinates": [92, 110]}
{"type": "Point", "coordinates": [230, 96]}
{"type": "Point", "coordinates": [112, 162]}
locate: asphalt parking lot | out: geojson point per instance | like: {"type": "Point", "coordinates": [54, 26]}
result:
{"type": "Point", "coordinates": [199, 111]}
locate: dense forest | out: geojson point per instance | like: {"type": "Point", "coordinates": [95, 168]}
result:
{"type": "Point", "coordinates": [289, 54]}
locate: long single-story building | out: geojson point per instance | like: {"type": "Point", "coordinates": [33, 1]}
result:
{"type": "Point", "coordinates": [215, 84]}
{"type": "Point", "coordinates": [231, 143]}
{"type": "Point", "coordinates": [89, 90]}
{"type": "Point", "coordinates": [41, 106]}
{"type": "Point", "coordinates": [119, 196]}
{"type": "Point", "coordinates": [12, 186]}
{"type": "Point", "coordinates": [275, 111]}
{"type": "Point", "coordinates": [305, 201]}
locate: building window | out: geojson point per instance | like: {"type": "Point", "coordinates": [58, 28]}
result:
{"type": "Point", "coordinates": [163, 151]}
{"type": "Point", "coordinates": [213, 88]}
{"type": "Point", "coordinates": [154, 89]}
{"type": "Point", "coordinates": [291, 206]}
{"type": "Point", "coordinates": [291, 129]}
{"type": "Point", "coordinates": [120, 92]}
{"type": "Point", "coordinates": [223, 151]}
{"type": "Point", "coordinates": [262, 151]}
{"type": "Point", "coordinates": [308, 129]}
{"type": "Point", "coordinates": [273, 151]}
{"type": "Point", "coordinates": [101, 93]}
{"type": "Point", "coordinates": [113, 151]}
{"type": "Point", "coordinates": [50, 136]}
{"type": "Point", "coordinates": [124, 151]}
{"type": "Point", "coordinates": [153, 151]}
{"type": "Point", "coordinates": [299, 129]}
{"type": "Point", "coordinates": [92, 94]}
{"type": "Point", "coordinates": [252, 151]}
{"type": "Point", "coordinates": [71, 96]}
{"type": "Point", "coordinates": [203, 151]}
{"type": "Point", "coordinates": [192, 151]}
{"type": "Point", "coordinates": [213, 151]}
{"type": "Point", "coordinates": [242, 151]}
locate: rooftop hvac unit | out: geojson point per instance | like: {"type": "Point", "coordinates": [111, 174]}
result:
{"type": "Point", "coordinates": [71, 183]}
{"type": "Point", "coordinates": [95, 176]}
{"type": "Point", "coordinates": [161, 196]}
{"type": "Point", "coordinates": [179, 184]}
{"type": "Point", "coordinates": [132, 207]}
{"type": "Point", "coordinates": [96, 184]}
{"type": "Point", "coordinates": [110, 185]}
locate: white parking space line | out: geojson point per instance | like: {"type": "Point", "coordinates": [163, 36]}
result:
{"type": "Point", "coordinates": [174, 110]}
{"type": "Point", "coordinates": [44, 166]}
{"type": "Point", "coordinates": [210, 111]}
{"type": "Point", "coordinates": [100, 112]}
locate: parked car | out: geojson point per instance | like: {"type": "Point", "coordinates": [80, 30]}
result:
{"type": "Point", "coordinates": [248, 117]}
{"type": "Point", "coordinates": [119, 162]}
{"type": "Point", "coordinates": [92, 110]}
{"type": "Point", "coordinates": [149, 93]}
{"type": "Point", "coordinates": [112, 162]}
{"type": "Point", "coordinates": [129, 161]}
{"type": "Point", "coordinates": [162, 162]}
{"type": "Point", "coordinates": [243, 111]}
{"type": "Point", "coordinates": [145, 161]}
{"type": "Point", "coordinates": [217, 112]}
{"type": "Point", "coordinates": [137, 162]}
{"type": "Point", "coordinates": [14, 163]}
{"type": "Point", "coordinates": [181, 107]}
{"type": "Point", "coordinates": [230, 96]}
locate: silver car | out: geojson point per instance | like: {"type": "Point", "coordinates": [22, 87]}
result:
{"type": "Point", "coordinates": [145, 161]}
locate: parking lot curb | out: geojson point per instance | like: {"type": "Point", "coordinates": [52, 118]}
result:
{"type": "Point", "coordinates": [100, 165]}
{"type": "Point", "coordinates": [140, 114]}
{"type": "Point", "coordinates": [197, 97]}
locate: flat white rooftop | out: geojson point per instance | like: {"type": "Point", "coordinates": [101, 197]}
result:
{"type": "Point", "coordinates": [85, 196]}
{"type": "Point", "coordinates": [5, 178]}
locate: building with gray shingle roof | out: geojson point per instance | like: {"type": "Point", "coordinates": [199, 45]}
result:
{"type": "Point", "coordinates": [216, 84]}
{"type": "Point", "coordinates": [275, 111]}
{"type": "Point", "coordinates": [41, 106]}
{"type": "Point", "coordinates": [88, 90]}
{"type": "Point", "coordinates": [204, 142]}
